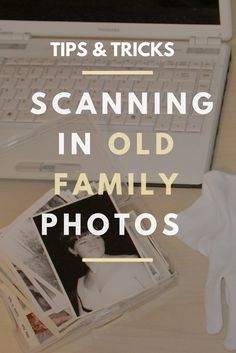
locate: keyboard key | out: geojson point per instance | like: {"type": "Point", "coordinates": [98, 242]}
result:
{"type": "Point", "coordinates": [100, 63]}
{"type": "Point", "coordinates": [37, 83]}
{"type": "Point", "coordinates": [125, 85]}
{"type": "Point", "coordinates": [155, 86]}
{"type": "Point", "coordinates": [49, 72]}
{"type": "Point", "coordinates": [90, 61]}
{"type": "Point", "coordinates": [64, 72]}
{"type": "Point", "coordinates": [10, 104]}
{"type": "Point", "coordinates": [25, 105]}
{"type": "Point", "coordinates": [115, 62]}
{"type": "Point", "coordinates": [186, 86]}
{"type": "Point", "coordinates": [140, 86]}
{"type": "Point", "coordinates": [8, 93]}
{"type": "Point", "coordinates": [109, 85]}
{"type": "Point", "coordinates": [22, 72]}
{"type": "Point", "coordinates": [171, 86]}
{"type": "Point", "coordinates": [2, 102]}
{"type": "Point", "coordinates": [23, 83]}
{"type": "Point", "coordinates": [12, 61]}
{"type": "Point", "coordinates": [166, 75]}
{"type": "Point", "coordinates": [42, 61]}
{"type": "Point", "coordinates": [169, 64]}
{"type": "Point", "coordinates": [50, 93]}
{"type": "Point", "coordinates": [205, 75]}
{"type": "Point", "coordinates": [194, 124]}
{"type": "Point", "coordinates": [67, 84]}
{"type": "Point", "coordinates": [148, 120]}
{"type": "Point", "coordinates": [102, 119]}
{"type": "Point", "coordinates": [36, 72]}
{"type": "Point", "coordinates": [81, 84]}
{"type": "Point", "coordinates": [184, 75]}
{"type": "Point", "coordinates": [163, 123]}
{"type": "Point", "coordinates": [95, 84]}
{"type": "Point", "coordinates": [140, 63]}
{"type": "Point", "coordinates": [154, 63]}
{"type": "Point", "coordinates": [23, 93]}
{"type": "Point", "coordinates": [116, 119]}
{"type": "Point", "coordinates": [179, 123]}
{"type": "Point", "coordinates": [76, 72]}
{"type": "Point", "coordinates": [52, 83]}
{"type": "Point", "coordinates": [195, 65]}
{"type": "Point", "coordinates": [8, 116]}
{"type": "Point", "coordinates": [208, 65]}
{"type": "Point", "coordinates": [203, 86]}
{"type": "Point", "coordinates": [133, 119]}
{"type": "Point", "coordinates": [7, 71]}
{"type": "Point", "coordinates": [9, 82]}
{"type": "Point", "coordinates": [182, 65]}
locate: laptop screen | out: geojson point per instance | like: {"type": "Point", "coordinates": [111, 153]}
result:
{"type": "Point", "coordinates": [121, 11]}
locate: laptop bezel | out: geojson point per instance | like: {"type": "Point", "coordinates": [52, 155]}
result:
{"type": "Point", "coordinates": [124, 30]}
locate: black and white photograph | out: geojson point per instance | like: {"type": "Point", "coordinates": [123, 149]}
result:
{"type": "Point", "coordinates": [93, 285]}
{"type": "Point", "coordinates": [54, 202]}
{"type": "Point", "coordinates": [34, 291]}
{"type": "Point", "coordinates": [22, 247]}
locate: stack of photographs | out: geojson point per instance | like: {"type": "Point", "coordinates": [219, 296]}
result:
{"type": "Point", "coordinates": [50, 286]}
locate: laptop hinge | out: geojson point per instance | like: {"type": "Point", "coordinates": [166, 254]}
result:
{"type": "Point", "coordinates": [16, 37]}
{"type": "Point", "coordinates": [205, 41]}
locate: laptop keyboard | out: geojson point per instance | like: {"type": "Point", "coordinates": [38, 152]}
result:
{"type": "Point", "coordinates": [21, 77]}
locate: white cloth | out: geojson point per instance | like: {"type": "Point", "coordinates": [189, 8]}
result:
{"type": "Point", "coordinates": [209, 226]}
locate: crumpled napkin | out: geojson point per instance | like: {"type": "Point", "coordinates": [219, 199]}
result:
{"type": "Point", "coordinates": [209, 226]}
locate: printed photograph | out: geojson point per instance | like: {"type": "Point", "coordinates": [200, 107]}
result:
{"type": "Point", "coordinates": [93, 286]}
{"type": "Point", "coordinates": [24, 250]}
{"type": "Point", "coordinates": [54, 202]}
{"type": "Point", "coordinates": [41, 331]}
{"type": "Point", "coordinates": [34, 291]}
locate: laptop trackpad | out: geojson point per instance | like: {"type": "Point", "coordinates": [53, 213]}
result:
{"type": "Point", "coordinates": [37, 156]}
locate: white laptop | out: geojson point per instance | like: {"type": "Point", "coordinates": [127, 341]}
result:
{"type": "Point", "coordinates": [199, 30]}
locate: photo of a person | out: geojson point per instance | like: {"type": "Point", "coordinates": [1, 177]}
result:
{"type": "Point", "coordinates": [94, 285]}
{"type": "Point", "coordinates": [105, 283]}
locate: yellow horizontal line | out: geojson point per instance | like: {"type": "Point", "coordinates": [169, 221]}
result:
{"type": "Point", "coordinates": [117, 72]}
{"type": "Point", "coordinates": [116, 259]}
